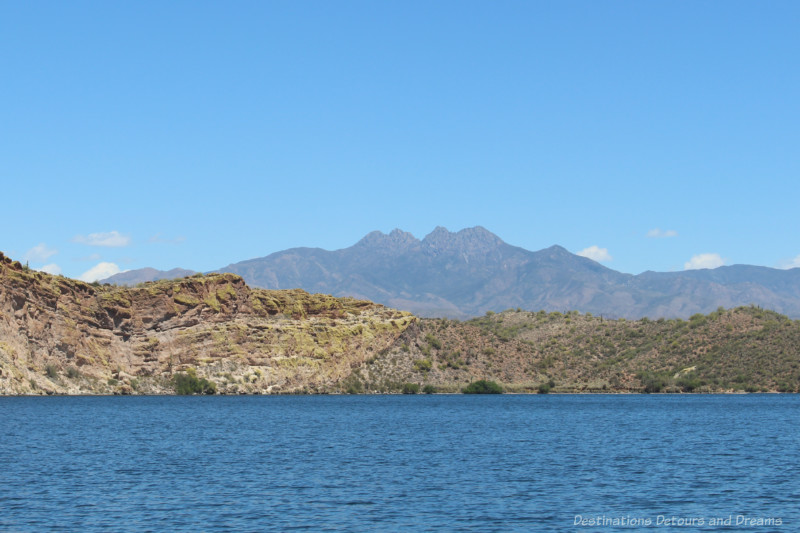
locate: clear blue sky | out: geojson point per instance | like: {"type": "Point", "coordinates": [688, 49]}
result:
{"type": "Point", "coordinates": [197, 134]}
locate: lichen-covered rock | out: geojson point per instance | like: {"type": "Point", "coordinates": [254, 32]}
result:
{"type": "Point", "coordinates": [62, 336]}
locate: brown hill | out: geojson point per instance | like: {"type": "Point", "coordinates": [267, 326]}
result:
{"type": "Point", "coordinates": [742, 349]}
{"type": "Point", "coordinates": [61, 336]}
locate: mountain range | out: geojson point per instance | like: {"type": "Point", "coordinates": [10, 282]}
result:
{"type": "Point", "coordinates": [214, 334]}
{"type": "Point", "coordinates": [467, 273]}
{"type": "Point", "coordinates": [142, 275]}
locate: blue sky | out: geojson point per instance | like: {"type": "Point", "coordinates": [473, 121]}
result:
{"type": "Point", "coordinates": [648, 135]}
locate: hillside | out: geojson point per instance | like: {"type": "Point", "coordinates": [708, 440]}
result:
{"type": "Point", "coordinates": [466, 273]}
{"type": "Point", "coordinates": [742, 349]}
{"type": "Point", "coordinates": [61, 336]}
{"type": "Point", "coordinates": [142, 275]}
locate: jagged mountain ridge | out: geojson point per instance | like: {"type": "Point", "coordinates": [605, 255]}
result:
{"type": "Point", "coordinates": [466, 273]}
{"type": "Point", "coordinates": [63, 336]}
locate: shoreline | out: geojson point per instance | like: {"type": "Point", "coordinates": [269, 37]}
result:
{"type": "Point", "coordinates": [90, 395]}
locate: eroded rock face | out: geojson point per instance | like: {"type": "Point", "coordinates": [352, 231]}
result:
{"type": "Point", "coordinates": [59, 335]}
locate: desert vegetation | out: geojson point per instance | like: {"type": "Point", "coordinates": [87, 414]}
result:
{"type": "Point", "coordinates": [482, 386]}
{"type": "Point", "coordinates": [212, 333]}
{"type": "Point", "coordinates": [746, 349]}
{"type": "Point", "coordinates": [188, 383]}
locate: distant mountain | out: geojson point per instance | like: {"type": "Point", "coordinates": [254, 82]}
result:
{"type": "Point", "coordinates": [472, 271]}
{"type": "Point", "coordinates": [140, 275]}
{"type": "Point", "coordinates": [212, 333]}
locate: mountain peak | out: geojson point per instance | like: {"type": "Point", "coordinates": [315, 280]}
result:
{"type": "Point", "coordinates": [557, 250]}
{"type": "Point", "coordinates": [477, 239]}
{"type": "Point", "coordinates": [396, 239]}
{"type": "Point", "coordinates": [466, 273]}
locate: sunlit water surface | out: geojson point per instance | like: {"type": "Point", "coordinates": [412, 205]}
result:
{"type": "Point", "coordinates": [390, 463]}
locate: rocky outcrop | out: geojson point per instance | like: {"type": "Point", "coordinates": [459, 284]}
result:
{"type": "Point", "coordinates": [59, 335]}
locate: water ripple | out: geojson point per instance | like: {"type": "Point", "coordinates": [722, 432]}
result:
{"type": "Point", "coordinates": [392, 463]}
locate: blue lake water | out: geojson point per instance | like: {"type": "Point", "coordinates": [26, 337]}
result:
{"type": "Point", "coordinates": [391, 463]}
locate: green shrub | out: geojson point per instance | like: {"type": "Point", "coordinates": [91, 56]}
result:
{"type": "Point", "coordinates": [429, 389]}
{"type": "Point", "coordinates": [544, 388]}
{"type": "Point", "coordinates": [654, 382]}
{"type": "Point", "coordinates": [51, 371]}
{"type": "Point", "coordinates": [483, 387]}
{"type": "Point", "coordinates": [689, 382]}
{"type": "Point", "coordinates": [697, 320]}
{"type": "Point", "coordinates": [353, 384]}
{"type": "Point", "coordinates": [189, 383]}
{"type": "Point", "coordinates": [423, 365]}
{"type": "Point", "coordinates": [433, 341]}
{"type": "Point", "coordinates": [410, 388]}
{"type": "Point", "coordinates": [73, 372]}
{"type": "Point", "coordinates": [355, 388]}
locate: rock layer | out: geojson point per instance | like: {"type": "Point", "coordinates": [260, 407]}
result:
{"type": "Point", "coordinates": [59, 335]}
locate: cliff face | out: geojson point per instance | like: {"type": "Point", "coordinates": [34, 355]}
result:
{"type": "Point", "coordinates": [59, 335]}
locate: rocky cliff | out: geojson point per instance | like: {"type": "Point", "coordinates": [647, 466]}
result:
{"type": "Point", "coordinates": [59, 335]}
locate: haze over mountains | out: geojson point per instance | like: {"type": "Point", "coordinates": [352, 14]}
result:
{"type": "Point", "coordinates": [140, 275]}
{"type": "Point", "coordinates": [466, 273]}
